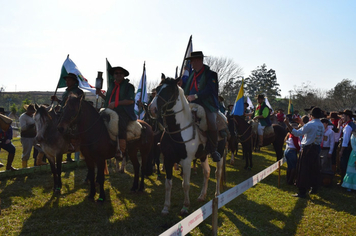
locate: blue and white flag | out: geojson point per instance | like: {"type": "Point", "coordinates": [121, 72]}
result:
{"type": "Point", "coordinates": [141, 95]}
{"type": "Point", "coordinates": [186, 68]}
{"type": "Point", "coordinates": [239, 107]}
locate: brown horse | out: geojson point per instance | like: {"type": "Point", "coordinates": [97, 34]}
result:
{"type": "Point", "coordinates": [246, 138]}
{"type": "Point", "coordinates": [80, 119]}
{"type": "Point", "coordinates": [52, 142]}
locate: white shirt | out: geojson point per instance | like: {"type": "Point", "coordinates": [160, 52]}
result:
{"type": "Point", "coordinates": [313, 132]}
{"type": "Point", "coordinates": [346, 135]}
{"type": "Point", "coordinates": [25, 121]}
{"type": "Point", "coordinates": [328, 140]}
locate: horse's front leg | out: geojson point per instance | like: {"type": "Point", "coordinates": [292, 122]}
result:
{"type": "Point", "coordinates": [54, 173]}
{"type": "Point", "coordinates": [186, 165]}
{"type": "Point", "coordinates": [100, 180]}
{"type": "Point", "coordinates": [206, 173]}
{"type": "Point", "coordinates": [59, 172]}
{"type": "Point", "coordinates": [136, 166]}
{"type": "Point", "coordinates": [218, 174]}
{"type": "Point", "coordinates": [91, 178]}
{"type": "Point", "coordinates": [168, 188]}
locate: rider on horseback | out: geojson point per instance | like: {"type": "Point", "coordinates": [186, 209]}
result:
{"type": "Point", "coordinates": [202, 88]}
{"type": "Point", "coordinates": [120, 98]}
{"type": "Point", "coordinates": [262, 114]}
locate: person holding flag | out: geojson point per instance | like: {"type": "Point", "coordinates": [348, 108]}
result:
{"type": "Point", "coordinates": [262, 114]}
{"type": "Point", "coordinates": [202, 88]}
{"type": "Point", "coordinates": [72, 88]}
{"type": "Point", "coordinates": [120, 97]}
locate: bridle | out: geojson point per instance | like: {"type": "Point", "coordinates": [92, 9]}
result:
{"type": "Point", "coordinates": [166, 112]}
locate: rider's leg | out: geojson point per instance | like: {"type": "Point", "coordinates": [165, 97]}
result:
{"type": "Point", "coordinates": [212, 135]}
{"type": "Point", "coordinates": [260, 134]}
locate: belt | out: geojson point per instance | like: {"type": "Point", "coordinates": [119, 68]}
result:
{"type": "Point", "coordinates": [325, 148]}
{"type": "Point", "coordinates": [292, 148]}
{"type": "Point", "coordinates": [310, 145]}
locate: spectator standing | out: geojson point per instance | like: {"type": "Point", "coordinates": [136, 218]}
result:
{"type": "Point", "coordinates": [345, 149]}
{"type": "Point", "coordinates": [349, 180]}
{"type": "Point", "coordinates": [291, 154]}
{"type": "Point", "coordinates": [308, 165]}
{"type": "Point", "coordinates": [28, 133]}
{"type": "Point", "coordinates": [6, 144]}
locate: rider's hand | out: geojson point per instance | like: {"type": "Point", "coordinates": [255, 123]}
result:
{"type": "Point", "coordinates": [191, 98]}
{"type": "Point", "coordinates": [111, 105]}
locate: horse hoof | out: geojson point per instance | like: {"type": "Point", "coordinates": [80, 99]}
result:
{"type": "Point", "coordinates": [201, 199]}
{"type": "Point", "coordinates": [231, 162]}
{"type": "Point", "coordinates": [91, 198]}
{"type": "Point", "coordinates": [184, 212]}
{"type": "Point", "coordinates": [164, 212]}
{"type": "Point", "coordinates": [57, 191]}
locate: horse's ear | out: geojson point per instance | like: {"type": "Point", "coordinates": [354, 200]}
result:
{"type": "Point", "coordinates": [177, 79]}
{"type": "Point", "coordinates": [163, 77]}
{"type": "Point", "coordinates": [36, 106]}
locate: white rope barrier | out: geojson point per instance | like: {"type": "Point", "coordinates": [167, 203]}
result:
{"type": "Point", "coordinates": [186, 225]}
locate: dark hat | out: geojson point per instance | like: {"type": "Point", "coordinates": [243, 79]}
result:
{"type": "Point", "coordinates": [316, 112]}
{"type": "Point", "coordinates": [260, 96]}
{"type": "Point", "coordinates": [2, 110]}
{"type": "Point", "coordinates": [30, 108]}
{"type": "Point", "coordinates": [71, 75]}
{"type": "Point", "coordinates": [197, 54]}
{"type": "Point", "coordinates": [112, 70]}
{"type": "Point", "coordinates": [347, 112]}
{"type": "Point", "coordinates": [309, 109]}
{"type": "Point", "coordinates": [324, 120]}
{"type": "Point", "coordinates": [221, 98]}
{"type": "Point", "coordinates": [333, 115]}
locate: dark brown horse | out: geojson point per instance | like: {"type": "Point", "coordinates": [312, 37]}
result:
{"type": "Point", "coordinates": [81, 120]}
{"type": "Point", "coordinates": [246, 139]}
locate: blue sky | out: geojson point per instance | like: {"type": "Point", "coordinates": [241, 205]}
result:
{"type": "Point", "coordinates": [303, 41]}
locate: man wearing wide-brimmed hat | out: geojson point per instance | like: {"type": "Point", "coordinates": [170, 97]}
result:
{"type": "Point", "coordinates": [262, 115]}
{"type": "Point", "coordinates": [347, 127]}
{"type": "Point", "coordinates": [6, 144]}
{"type": "Point", "coordinates": [72, 88]}
{"type": "Point", "coordinates": [202, 88]}
{"type": "Point", "coordinates": [308, 165]}
{"type": "Point", "coordinates": [120, 97]}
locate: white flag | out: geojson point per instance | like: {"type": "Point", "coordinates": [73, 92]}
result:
{"type": "Point", "coordinates": [141, 95]}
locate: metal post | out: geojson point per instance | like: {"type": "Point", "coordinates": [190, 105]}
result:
{"type": "Point", "coordinates": [215, 217]}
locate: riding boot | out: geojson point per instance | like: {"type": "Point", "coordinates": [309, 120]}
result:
{"type": "Point", "coordinates": [39, 161]}
{"type": "Point", "coordinates": [10, 159]}
{"type": "Point", "coordinates": [211, 145]}
{"type": "Point", "coordinates": [260, 139]}
{"type": "Point", "coordinates": [288, 175]}
{"type": "Point", "coordinates": [24, 164]}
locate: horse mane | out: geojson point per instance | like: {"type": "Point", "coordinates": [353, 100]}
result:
{"type": "Point", "coordinates": [184, 102]}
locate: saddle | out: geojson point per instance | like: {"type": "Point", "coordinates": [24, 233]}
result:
{"type": "Point", "coordinates": [199, 117]}
{"type": "Point", "coordinates": [111, 121]}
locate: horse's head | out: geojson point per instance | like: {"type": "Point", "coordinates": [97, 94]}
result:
{"type": "Point", "coordinates": [166, 96]}
{"type": "Point", "coordinates": [42, 120]}
{"type": "Point", "coordinates": [70, 113]}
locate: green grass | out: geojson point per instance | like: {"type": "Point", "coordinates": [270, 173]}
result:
{"type": "Point", "coordinates": [29, 207]}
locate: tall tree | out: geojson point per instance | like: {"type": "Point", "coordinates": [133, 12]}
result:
{"type": "Point", "coordinates": [343, 95]}
{"type": "Point", "coordinates": [229, 73]}
{"type": "Point", "coordinates": [263, 81]}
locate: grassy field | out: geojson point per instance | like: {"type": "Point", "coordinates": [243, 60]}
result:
{"type": "Point", "coordinates": [29, 207]}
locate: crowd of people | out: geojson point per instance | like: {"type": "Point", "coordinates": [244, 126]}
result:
{"type": "Point", "coordinates": [318, 145]}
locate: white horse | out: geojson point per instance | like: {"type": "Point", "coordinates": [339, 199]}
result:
{"type": "Point", "coordinates": [181, 141]}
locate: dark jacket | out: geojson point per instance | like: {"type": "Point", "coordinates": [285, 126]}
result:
{"type": "Point", "coordinates": [127, 92]}
{"type": "Point", "coordinates": [75, 90]}
{"type": "Point", "coordinates": [264, 121]}
{"type": "Point", "coordinates": [208, 89]}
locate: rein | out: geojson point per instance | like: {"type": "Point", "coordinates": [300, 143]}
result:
{"type": "Point", "coordinates": [171, 100]}
{"type": "Point", "coordinates": [240, 136]}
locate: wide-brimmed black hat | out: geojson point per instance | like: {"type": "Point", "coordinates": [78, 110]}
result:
{"type": "Point", "coordinates": [70, 75]}
{"type": "Point", "coordinates": [197, 54]}
{"type": "Point", "coordinates": [112, 70]}
{"type": "Point", "coordinates": [347, 112]}
{"type": "Point", "coordinates": [316, 112]}
{"type": "Point", "coordinates": [309, 109]}
{"type": "Point", "coordinates": [30, 107]}
{"type": "Point", "coordinates": [333, 115]}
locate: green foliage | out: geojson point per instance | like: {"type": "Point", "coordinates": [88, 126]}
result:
{"type": "Point", "coordinates": [263, 81]}
{"type": "Point", "coordinates": [13, 108]}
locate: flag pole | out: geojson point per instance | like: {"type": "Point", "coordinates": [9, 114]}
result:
{"type": "Point", "coordinates": [55, 92]}
{"type": "Point", "coordinates": [181, 69]}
